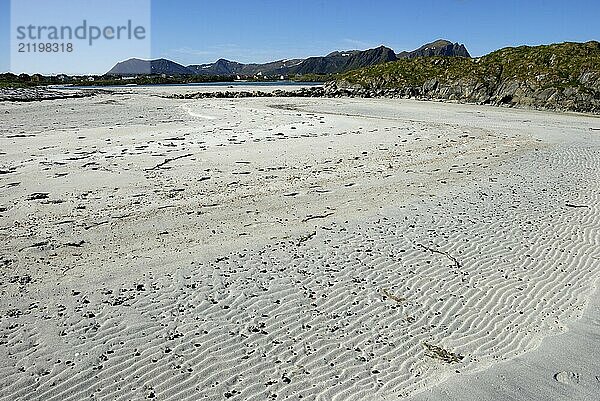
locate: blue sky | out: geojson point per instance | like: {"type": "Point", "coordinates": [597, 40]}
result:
{"type": "Point", "coordinates": [201, 31]}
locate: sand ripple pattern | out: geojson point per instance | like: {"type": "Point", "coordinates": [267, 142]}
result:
{"type": "Point", "coordinates": [344, 315]}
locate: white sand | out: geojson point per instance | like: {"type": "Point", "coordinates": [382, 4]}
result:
{"type": "Point", "coordinates": [278, 248]}
{"type": "Point", "coordinates": [563, 367]}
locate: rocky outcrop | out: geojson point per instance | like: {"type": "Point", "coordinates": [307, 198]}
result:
{"type": "Point", "coordinates": [563, 77]}
{"type": "Point", "coordinates": [438, 48]}
{"type": "Point", "coordinates": [512, 93]}
{"type": "Point", "coordinates": [40, 93]}
{"type": "Point", "coordinates": [556, 77]}
{"type": "Point", "coordinates": [316, 91]}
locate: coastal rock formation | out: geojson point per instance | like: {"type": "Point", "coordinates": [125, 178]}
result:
{"type": "Point", "coordinates": [39, 93]}
{"type": "Point", "coordinates": [438, 48]}
{"type": "Point", "coordinates": [556, 77]}
{"type": "Point", "coordinates": [317, 91]}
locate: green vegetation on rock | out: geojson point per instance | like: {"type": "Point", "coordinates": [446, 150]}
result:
{"type": "Point", "coordinates": [559, 76]}
{"type": "Point", "coordinates": [312, 78]}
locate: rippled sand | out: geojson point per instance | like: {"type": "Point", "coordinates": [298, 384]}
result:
{"type": "Point", "coordinates": [254, 249]}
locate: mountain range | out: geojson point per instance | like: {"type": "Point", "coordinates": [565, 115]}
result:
{"type": "Point", "coordinates": [336, 62]}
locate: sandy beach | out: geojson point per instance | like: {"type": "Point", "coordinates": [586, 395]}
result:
{"type": "Point", "coordinates": [296, 249]}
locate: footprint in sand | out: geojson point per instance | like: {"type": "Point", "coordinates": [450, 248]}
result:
{"type": "Point", "coordinates": [567, 377]}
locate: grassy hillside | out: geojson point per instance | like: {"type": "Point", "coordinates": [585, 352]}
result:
{"type": "Point", "coordinates": [557, 64]}
{"type": "Point", "coordinates": [559, 76]}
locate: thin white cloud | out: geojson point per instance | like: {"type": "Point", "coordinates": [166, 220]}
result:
{"type": "Point", "coordinates": [358, 44]}
{"type": "Point", "coordinates": [189, 51]}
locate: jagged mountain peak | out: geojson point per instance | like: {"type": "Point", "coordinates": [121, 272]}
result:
{"type": "Point", "coordinates": [440, 47]}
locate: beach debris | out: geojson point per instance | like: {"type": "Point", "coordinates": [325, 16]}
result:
{"type": "Point", "coordinates": [7, 170]}
{"type": "Point", "coordinates": [230, 393]}
{"type": "Point", "coordinates": [446, 254]}
{"type": "Point", "coordinates": [5, 262]}
{"type": "Point", "coordinates": [53, 201]}
{"type": "Point", "coordinates": [38, 196]}
{"type": "Point", "coordinates": [306, 237]}
{"type": "Point", "coordinates": [167, 161]}
{"type": "Point", "coordinates": [575, 206]}
{"type": "Point", "coordinates": [21, 280]}
{"type": "Point", "coordinates": [36, 245]}
{"type": "Point", "coordinates": [77, 244]}
{"type": "Point", "coordinates": [387, 294]}
{"type": "Point", "coordinates": [95, 224]}
{"type": "Point", "coordinates": [82, 155]}
{"type": "Point", "coordinates": [319, 216]}
{"type": "Point", "coordinates": [439, 353]}
{"type": "Point", "coordinates": [567, 377]}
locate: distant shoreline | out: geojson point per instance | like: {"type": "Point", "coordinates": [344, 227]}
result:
{"type": "Point", "coordinates": [224, 83]}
